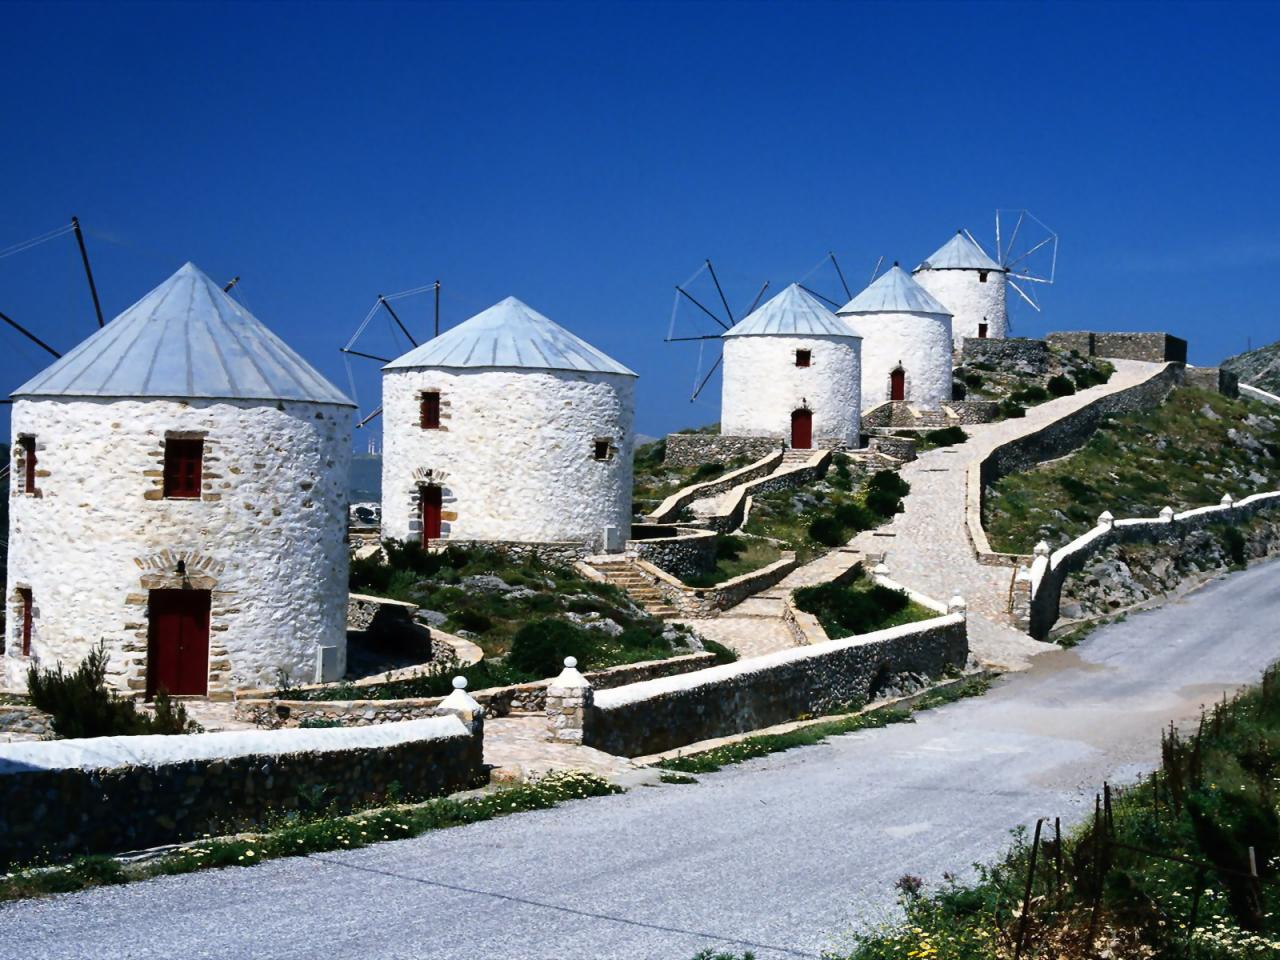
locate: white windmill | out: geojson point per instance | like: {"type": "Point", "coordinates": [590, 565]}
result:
{"type": "Point", "coordinates": [973, 284]}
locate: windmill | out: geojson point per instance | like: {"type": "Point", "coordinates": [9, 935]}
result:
{"type": "Point", "coordinates": [1028, 252]}
{"type": "Point", "coordinates": [689, 311]}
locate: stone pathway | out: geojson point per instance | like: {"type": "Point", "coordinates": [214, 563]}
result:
{"type": "Point", "coordinates": [927, 547]}
{"type": "Point", "coordinates": [517, 748]}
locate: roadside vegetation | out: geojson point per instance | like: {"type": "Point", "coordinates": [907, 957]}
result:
{"type": "Point", "coordinates": [80, 704]}
{"type": "Point", "coordinates": [1184, 865]}
{"type": "Point", "coordinates": [709, 761]}
{"type": "Point", "coordinates": [519, 609]}
{"type": "Point", "coordinates": [859, 606]}
{"type": "Point", "coordinates": [736, 555]}
{"type": "Point", "coordinates": [313, 829]}
{"type": "Point", "coordinates": [1188, 452]}
{"type": "Point", "coordinates": [1016, 387]}
{"type": "Point", "coordinates": [828, 513]}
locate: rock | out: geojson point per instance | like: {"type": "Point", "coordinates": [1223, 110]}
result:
{"type": "Point", "coordinates": [1207, 412]}
{"type": "Point", "coordinates": [486, 583]}
{"type": "Point", "coordinates": [1072, 610]}
{"type": "Point", "coordinates": [432, 618]}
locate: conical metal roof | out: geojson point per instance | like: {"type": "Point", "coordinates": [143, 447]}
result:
{"type": "Point", "coordinates": [792, 313]}
{"type": "Point", "coordinates": [185, 339]}
{"type": "Point", "coordinates": [894, 292]}
{"type": "Point", "coordinates": [509, 334]}
{"type": "Point", "coordinates": [959, 253]}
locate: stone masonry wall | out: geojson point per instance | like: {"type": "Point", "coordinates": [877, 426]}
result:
{"type": "Point", "coordinates": [687, 555]}
{"type": "Point", "coordinates": [671, 507]}
{"type": "Point", "coordinates": [1152, 347]}
{"type": "Point", "coordinates": [1030, 355]}
{"type": "Point", "coordinates": [1217, 379]}
{"type": "Point", "coordinates": [25, 720]}
{"type": "Point", "coordinates": [695, 449]}
{"type": "Point", "coordinates": [661, 715]}
{"type": "Point", "coordinates": [68, 797]}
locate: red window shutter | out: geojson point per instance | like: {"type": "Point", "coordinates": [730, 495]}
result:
{"type": "Point", "coordinates": [28, 464]}
{"type": "Point", "coordinates": [430, 413]}
{"type": "Point", "coordinates": [182, 468]}
{"type": "Point", "coordinates": [24, 595]}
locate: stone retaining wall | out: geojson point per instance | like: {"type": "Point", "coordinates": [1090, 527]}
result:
{"type": "Point", "coordinates": [695, 449]}
{"type": "Point", "coordinates": [1032, 356]}
{"type": "Point", "coordinates": [1151, 347]}
{"type": "Point", "coordinates": [900, 414]}
{"type": "Point", "coordinates": [1216, 379]}
{"type": "Point", "coordinates": [1048, 572]}
{"type": "Point", "coordinates": [702, 602]}
{"type": "Point", "coordinates": [688, 554]}
{"type": "Point", "coordinates": [67, 797]}
{"type": "Point", "coordinates": [659, 715]}
{"type": "Point", "coordinates": [556, 553]}
{"type": "Point", "coordinates": [671, 507]}
{"type": "Point", "coordinates": [497, 701]}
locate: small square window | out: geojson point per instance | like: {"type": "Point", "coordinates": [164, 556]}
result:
{"type": "Point", "coordinates": [28, 447]}
{"type": "Point", "coordinates": [183, 468]}
{"type": "Point", "coordinates": [603, 450]}
{"type": "Point", "coordinates": [982, 276]}
{"type": "Point", "coordinates": [429, 412]}
{"type": "Point", "coordinates": [803, 358]}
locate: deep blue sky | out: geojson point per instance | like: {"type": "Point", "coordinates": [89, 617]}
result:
{"type": "Point", "coordinates": [586, 158]}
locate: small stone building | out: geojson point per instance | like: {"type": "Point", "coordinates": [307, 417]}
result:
{"type": "Point", "coordinates": [970, 285]}
{"type": "Point", "coordinates": [508, 428]}
{"type": "Point", "coordinates": [792, 370]}
{"type": "Point", "coordinates": [906, 342]}
{"type": "Point", "coordinates": [180, 494]}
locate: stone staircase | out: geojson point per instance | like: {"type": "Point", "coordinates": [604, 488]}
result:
{"type": "Point", "coordinates": [623, 573]}
{"type": "Point", "coordinates": [792, 458]}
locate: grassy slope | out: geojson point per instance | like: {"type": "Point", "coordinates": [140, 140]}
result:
{"type": "Point", "coordinates": [1176, 455]}
{"type": "Point", "coordinates": [1017, 388]}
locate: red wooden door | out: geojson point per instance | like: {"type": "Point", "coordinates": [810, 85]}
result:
{"type": "Point", "coordinates": [431, 503]}
{"type": "Point", "coordinates": [801, 429]}
{"type": "Point", "coordinates": [898, 385]}
{"type": "Point", "coordinates": [178, 658]}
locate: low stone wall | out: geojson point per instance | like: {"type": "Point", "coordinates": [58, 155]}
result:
{"type": "Point", "coordinates": [24, 720]}
{"type": "Point", "coordinates": [1151, 347]}
{"type": "Point", "coordinates": [1056, 439]}
{"type": "Point", "coordinates": [556, 553]}
{"type": "Point", "coordinates": [687, 554]}
{"type": "Point", "coordinates": [1029, 356]}
{"type": "Point", "coordinates": [974, 411]}
{"type": "Point", "coordinates": [898, 414]}
{"type": "Point", "coordinates": [701, 602]}
{"type": "Point", "coordinates": [497, 701]}
{"type": "Point", "coordinates": [733, 515]}
{"type": "Point", "coordinates": [900, 448]}
{"type": "Point", "coordinates": [671, 507]}
{"type": "Point", "coordinates": [659, 715]}
{"type": "Point", "coordinates": [1049, 571]}
{"type": "Point", "coordinates": [694, 449]}
{"type": "Point", "coordinates": [1250, 392]}
{"type": "Point", "coordinates": [67, 797]}
{"type": "Point", "coordinates": [1216, 379]}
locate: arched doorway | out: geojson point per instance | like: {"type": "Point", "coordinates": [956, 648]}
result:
{"type": "Point", "coordinates": [898, 384]}
{"type": "Point", "coordinates": [432, 502]}
{"type": "Point", "coordinates": [801, 429]}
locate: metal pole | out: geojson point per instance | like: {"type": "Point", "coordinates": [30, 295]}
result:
{"type": "Point", "coordinates": [815, 293]}
{"type": "Point", "coordinates": [403, 329]}
{"type": "Point", "coordinates": [368, 418]}
{"type": "Point", "coordinates": [716, 281]}
{"type": "Point", "coordinates": [706, 378]}
{"type": "Point", "coordinates": [84, 256]}
{"type": "Point", "coordinates": [840, 274]}
{"type": "Point", "coordinates": [756, 302]}
{"type": "Point", "coordinates": [367, 356]}
{"type": "Point", "coordinates": [28, 334]}
{"type": "Point", "coordinates": [701, 307]}
{"type": "Point", "coordinates": [437, 308]}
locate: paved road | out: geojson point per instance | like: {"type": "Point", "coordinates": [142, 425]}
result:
{"type": "Point", "coordinates": [782, 856]}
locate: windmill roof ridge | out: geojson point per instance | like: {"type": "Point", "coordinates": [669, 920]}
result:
{"type": "Point", "coordinates": [792, 312]}
{"type": "Point", "coordinates": [959, 253]}
{"type": "Point", "coordinates": [894, 291]}
{"type": "Point", "coordinates": [186, 338]}
{"type": "Point", "coordinates": [510, 334]}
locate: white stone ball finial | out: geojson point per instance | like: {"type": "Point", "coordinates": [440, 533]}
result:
{"type": "Point", "coordinates": [1227, 500]}
{"type": "Point", "coordinates": [459, 683]}
{"type": "Point", "coordinates": [1041, 549]}
{"type": "Point", "coordinates": [570, 662]}
{"type": "Point", "coordinates": [1105, 518]}
{"type": "Point", "coordinates": [957, 604]}
{"type": "Point", "coordinates": [881, 569]}
{"type": "Point", "coordinates": [1167, 514]}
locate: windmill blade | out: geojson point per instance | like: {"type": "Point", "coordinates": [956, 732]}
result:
{"type": "Point", "coordinates": [876, 272]}
{"type": "Point", "coordinates": [1034, 306]}
{"type": "Point", "coordinates": [1027, 276]}
{"type": "Point", "coordinates": [1013, 237]}
{"type": "Point", "coordinates": [719, 290]}
{"type": "Point", "coordinates": [756, 302]}
{"type": "Point", "coordinates": [815, 293]}
{"type": "Point", "coordinates": [715, 366]}
{"type": "Point", "coordinates": [695, 302]}
{"type": "Point", "coordinates": [840, 273]}
{"type": "Point", "coordinates": [1052, 238]}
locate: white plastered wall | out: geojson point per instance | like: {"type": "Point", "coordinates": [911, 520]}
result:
{"type": "Point", "coordinates": [514, 456]}
{"type": "Point", "coordinates": [919, 343]}
{"type": "Point", "coordinates": [762, 385]}
{"type": "Point", "coordinates": [267, 536]}
{"type": "Point", "coordinates": [970, 300]}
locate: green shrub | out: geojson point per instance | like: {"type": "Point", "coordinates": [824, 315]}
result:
{"type": "Point", "coordinates": [1234, 541]}
{"type": "Point", "coordinates": [1032, 394]}
{"type": "Point", "coordinates": [843, 609]}
{"type": "Point", "coordinates": [855, 517]}
{"type": "Point", "coordinates": [707, 471]}
{"type": "Point", "coordinates": [1061, 386]}
{"type": "Point", "coordinates": [884, 503]}
{"type": "Point", "coordinates": [540, 646]}
{"type": "Point", "coordinates": [946, 437]}
{"type": "Point", "coordinates": [827, 531]}
{"type": "Point", "coordinates": [974, 380]}
{"type": "Point", "coordinates": [890, 482]}
{"type": "Point", "coordinates": [81, 705]}
{"type": "Point", "coordinates": [1011, 410]}
{"type": "Point", "coordinates": [723, 653]}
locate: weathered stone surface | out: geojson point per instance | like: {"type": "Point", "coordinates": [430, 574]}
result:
{"type": "Point", "coordinates": [1151, 347]}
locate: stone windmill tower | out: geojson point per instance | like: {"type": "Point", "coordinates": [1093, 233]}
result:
{"type": "Point", "coordinates": [508, 429]}
{"type": "Point", "coordinates": [180, 496]}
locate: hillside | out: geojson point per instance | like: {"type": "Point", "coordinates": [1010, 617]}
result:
{"type": "Point", "coordinates": [1187, 452]}
{"type": "Point", "coordinates": [1260, 368]}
